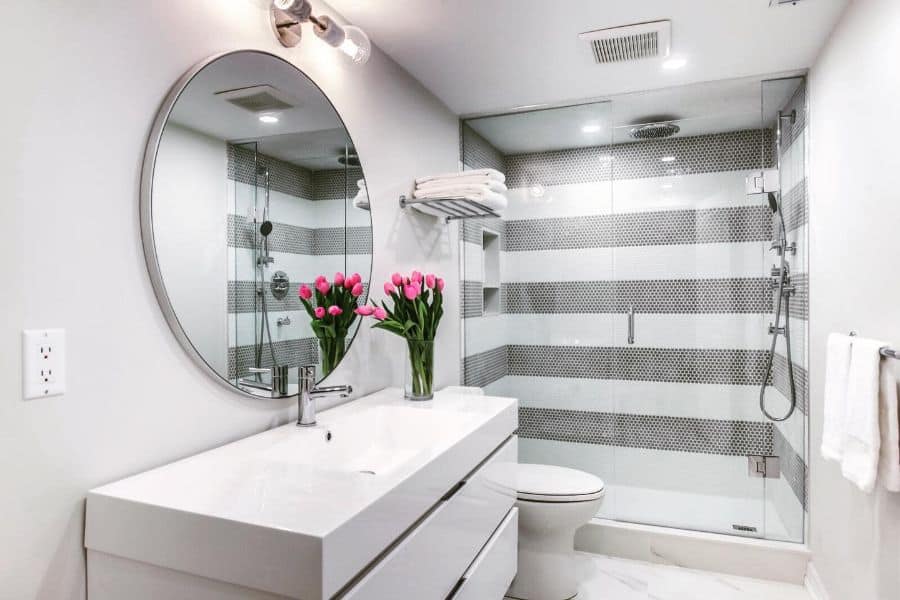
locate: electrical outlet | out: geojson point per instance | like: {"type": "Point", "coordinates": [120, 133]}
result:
{"type": "Point", "coordinates": [43, 362]}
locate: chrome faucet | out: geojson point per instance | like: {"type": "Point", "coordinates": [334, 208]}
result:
{"type": "Point", "coordinates": [279, 379]}
{"type": "Point", "coordinates": [309, 392]}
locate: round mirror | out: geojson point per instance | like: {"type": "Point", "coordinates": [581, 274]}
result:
{"type": "Point", "coordinates": [252, 196]}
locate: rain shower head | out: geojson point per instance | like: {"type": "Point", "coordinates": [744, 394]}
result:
{"type": "Point", "coordinates": [653, 131]}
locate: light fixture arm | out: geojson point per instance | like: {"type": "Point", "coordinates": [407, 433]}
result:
{"type": "Point", "coordinates": [288, 16]}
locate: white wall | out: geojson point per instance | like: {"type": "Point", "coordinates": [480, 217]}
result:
{"type": "Point", "coordinates": [84, 81]}
{"type": "Point", "coordinates": [854, 223]}
{"type": "Point", "coordinates": [190, 217]}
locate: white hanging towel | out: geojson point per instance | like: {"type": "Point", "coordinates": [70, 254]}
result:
{"type": "Point", "coordinates": [837, 369]}
{"type": "Point", "coordinates": [889, 462]}
{"type": "Point", "coordinates": [492, 173]}
{"type": "Point", "coordinates": [453, 191]}
{"type": "Point", "coordinates": [862, 439]}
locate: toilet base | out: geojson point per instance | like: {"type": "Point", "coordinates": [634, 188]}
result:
{"type": "Point", "coordinates": [547, 549]}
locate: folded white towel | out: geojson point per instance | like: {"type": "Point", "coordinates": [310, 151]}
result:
{"type": "Point", "coordinates": [493, 173]}
{"type": "Point", "coordinates": [837, 368]}
{"type": "Point", "coordinates": [889, 462]}
{"type": "Point", "coordinates": [455, 191]}
{"type": "Point", "coordinates": [495, 185]}
{"type": "Point", "coordinates": [361, 199]}
{"type": "Point", "coordinates": [862, 441]}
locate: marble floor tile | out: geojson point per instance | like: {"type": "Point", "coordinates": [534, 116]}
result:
{"type": "Point", "coordinates": [608, 578]}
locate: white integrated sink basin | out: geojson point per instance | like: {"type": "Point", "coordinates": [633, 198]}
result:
{"type": "Point", "coordinates": [299, 512]}
{"type": "Point", "coordinates": [374, 441]}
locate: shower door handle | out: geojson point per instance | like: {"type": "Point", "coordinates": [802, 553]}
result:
{"type": "Point", "coordinates": [630, 323]}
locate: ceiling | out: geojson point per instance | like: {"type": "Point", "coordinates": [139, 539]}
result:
{"type": "Point", "coordinates": [704, 108]}
{"type": "Point", "coordinates": [309, 133]}
{"type": "Point", "coordinates": [484, 56]}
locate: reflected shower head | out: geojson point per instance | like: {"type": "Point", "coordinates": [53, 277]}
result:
{"type": "Point", "coordinates": [773, 202]}
{"type": "Point", "coordinates": [266, 228]}
{"type": "Point", "coordinates": [652, 131]}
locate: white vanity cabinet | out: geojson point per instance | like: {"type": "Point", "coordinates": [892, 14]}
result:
{"type": "Point", "coordinates": [384, 499]}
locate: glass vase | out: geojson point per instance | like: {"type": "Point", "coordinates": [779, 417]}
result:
{"type": "Point", "coordinates": [418, 377]}
{"type": "Point", "coordinates": [332, 352]}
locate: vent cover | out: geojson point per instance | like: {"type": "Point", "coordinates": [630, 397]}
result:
{"type": "Point", "coordinates": [630, 42]}
{"type": "Point", "coordinates": [258, 98]}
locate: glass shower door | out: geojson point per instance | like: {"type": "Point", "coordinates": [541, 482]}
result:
{"type": "Point", "coordinates": [691, 311]}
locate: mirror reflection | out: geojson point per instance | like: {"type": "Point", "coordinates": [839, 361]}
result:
{"type": "Point", "coordinates": [257, 190]}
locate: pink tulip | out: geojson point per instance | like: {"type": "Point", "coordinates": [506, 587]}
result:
{"type": "Point", "coordinates": [415, 276]}
{"type": "Point", "coordinates": [411, 292]}
{"type": "Point", "coordinates": [365, 310]}
{"type": "Point", "coordinates": [320, 279]}
{"type": "Point", "coordinates": [334, 310]}
{"type": "Point", "coordinates": [357, 278]}
{"type": "Point", "coordinates": [397, 279]}
{"type": "Point", "coordinates": [320, 312]}
{"type": "Point", "coordinates": [380, 313]}
{"type": "Point", "coordinates": [305, 292]}
{"type": "Point", "coordinates": [323, 287]}
{"type": "Point", "coordinates": [389, 288]}
{"type": "Point", "coordinates": [357, 290]}
{"type": "Point", "coordinates": [338, 278]}
{"type": "Point", "coordinates": [440, 284]}
{"type": "Point", "coordinates": [429, 280]}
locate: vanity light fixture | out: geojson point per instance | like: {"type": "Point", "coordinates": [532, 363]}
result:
{"type": "Point", "coordinates": [287, 16]}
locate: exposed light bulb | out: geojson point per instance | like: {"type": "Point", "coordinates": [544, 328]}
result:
{"type": "Point", "coordinates": [356, 45]}
{"type": "Point", "coordinates": [268, 119]}
{"type": "Point", "coordinates": [674, 63]}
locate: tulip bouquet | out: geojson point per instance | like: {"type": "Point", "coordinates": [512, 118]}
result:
{"type": "Point", "coordinates": [332, 309]}
{"type": "Point", "coordinates": [417, 311]}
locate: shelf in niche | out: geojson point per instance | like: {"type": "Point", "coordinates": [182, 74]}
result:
{"type": "Point", "coordinates": [490, 301]}
{"type": "Point", "coordinates": [490, 260]}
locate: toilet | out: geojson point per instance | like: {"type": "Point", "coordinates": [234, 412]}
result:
{"type": "Point", "coordinates": [553, 503]}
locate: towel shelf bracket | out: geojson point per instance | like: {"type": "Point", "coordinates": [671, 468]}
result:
{"type": "Point", "coordinates": [886, 351]}
{"type": "Point", "coordinates": [452, 208]}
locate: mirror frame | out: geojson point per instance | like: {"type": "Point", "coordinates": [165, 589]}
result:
{"type": "Point", "coordinates": [148, 238]}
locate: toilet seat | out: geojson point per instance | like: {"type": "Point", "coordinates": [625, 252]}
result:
{"type": "Point", "coordinates": [552, 484]}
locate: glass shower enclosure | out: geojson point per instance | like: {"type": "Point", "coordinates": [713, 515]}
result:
{"type": "Point", "coordinates": [626, 294]}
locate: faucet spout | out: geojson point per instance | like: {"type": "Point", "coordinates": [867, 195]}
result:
{"type": "Point", "coordinates": [306, 413]}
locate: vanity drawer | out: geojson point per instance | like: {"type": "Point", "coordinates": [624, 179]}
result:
{"type": "Point", "coordinates": [493, 571]}
{"type": "Point", "coordinates": [428, 563]}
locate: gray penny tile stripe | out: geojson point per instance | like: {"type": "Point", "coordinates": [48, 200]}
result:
{"type": "Point", "coordinates": [799, 301]}
{"type": "Point", "coordinates": [293, 239]}
{"type": "Point", "coordinates": [793, 467]}
{"type": "Point", "coordinates": [657, 228]}
{"type": "Point", "coordinates": [472, 299]}
{"type": "Point", "coordinates": [485, 368]}
{"type": "Point", "coordinates": [283, 176]}
{"type": "Point", "coordinates": [682, 434]}
{"type": "Point", "coordinates": [478, 153]}
{"type": "Point", "coordinates": [685, 365]}
{"type": "Point", "coordinates": [303, 351]}
{"type": "Point", "coordinates": [676, 296]}
{"type": "Point", "coordinates": [471, 230]}
{"type": "Point", "coordinates": [337, 240]}
{"type": "Point", "coordinates": [780, 381]}
{"type": "Point", "coordinates": [732, 151]}
{"type": "Point", "coordinates": [795, 205]}
{"type": "Point", "coordinates": [335, 184]}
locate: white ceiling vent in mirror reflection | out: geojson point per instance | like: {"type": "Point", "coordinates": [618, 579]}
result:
{"type": "Point", "coordinates": [251, 187]}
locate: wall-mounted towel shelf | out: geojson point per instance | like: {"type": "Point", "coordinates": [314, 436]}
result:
{"type": "Point", "coordinates": [885, 351]}
{"type": "Point", "coordinates": [451, 208]}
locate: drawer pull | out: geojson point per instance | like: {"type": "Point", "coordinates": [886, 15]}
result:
{"type": "Point", "coordinates": [453, 491]}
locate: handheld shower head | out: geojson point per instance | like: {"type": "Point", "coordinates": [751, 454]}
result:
{"type": "Point", "coordinates": [773, 202]}
{"type": "Point", "coordinates": [266, 228]}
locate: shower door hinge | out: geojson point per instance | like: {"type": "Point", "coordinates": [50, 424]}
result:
{"type": "Point", "coordinates": [764, 466]}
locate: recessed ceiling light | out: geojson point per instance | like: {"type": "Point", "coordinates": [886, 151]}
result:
{"type": "Point", "coordinates": [667, 159]}
{"type": "Point", "coordinates": [268, 119]}
{"type": "Point", "coordinates": [591, 128]}
{"type": "Point", "coordinates": [674, 63]}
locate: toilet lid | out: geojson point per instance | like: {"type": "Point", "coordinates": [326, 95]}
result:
{"type": "Point", "coordinates": [548, 483]}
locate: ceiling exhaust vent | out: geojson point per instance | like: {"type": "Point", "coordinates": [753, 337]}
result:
{"type": "Point", "coordinates": [258, 98]}
{"type": "Point", "coordinates": [630, 42]}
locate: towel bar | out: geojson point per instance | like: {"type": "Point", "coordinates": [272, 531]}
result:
{"type": "Point", "coordinates": [885, 351]}
{"type": "Point", "coordinates": [453, 208]}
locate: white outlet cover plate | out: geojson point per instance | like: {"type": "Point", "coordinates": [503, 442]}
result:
{"type": "Point", "coordinates": [43, 362]}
